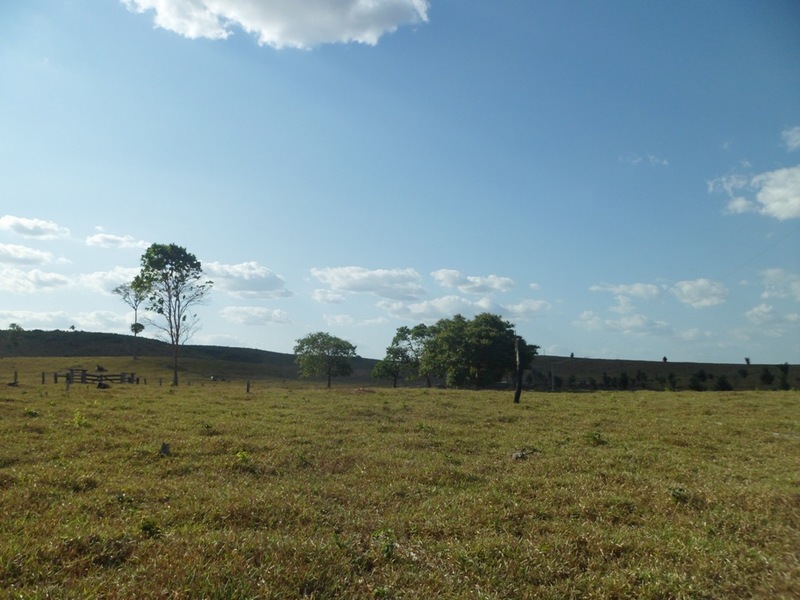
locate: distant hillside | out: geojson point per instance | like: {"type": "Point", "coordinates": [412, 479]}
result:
{"type": "Point", "coordinates": [549, 373]}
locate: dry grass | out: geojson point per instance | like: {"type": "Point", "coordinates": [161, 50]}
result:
{"type": "Point", "coordinates": [293, 492]}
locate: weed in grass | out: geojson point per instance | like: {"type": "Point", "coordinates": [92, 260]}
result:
{"type": "Point", "coordinates": [79, 420]}
{"type": "Point", "coordinates": [32, 413]}
{"type": "Point", "coordinates": [151, 529]}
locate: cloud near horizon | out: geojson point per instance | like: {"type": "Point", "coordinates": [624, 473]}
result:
{"type": "Point", "coordinates": [293, 24]}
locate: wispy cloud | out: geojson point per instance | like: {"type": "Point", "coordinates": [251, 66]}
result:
{"type": "Point", "coordinates": [632, 324]}
{"type": "Point", "coordinates": [469, 284]}
{"type": "Point", "coordinates": [247, 280]}
{"type": "Point", "coordinates": [394, 284]}
{"type": "Point", "coordinates": [780, 283]}
{"type": "Point", "coordinates": [108, 240]}
{"type": "Point", "coordinates": [254, 315]}
{"type": "Point", "coordinates": [33, 228]}
{"type": "Point", "coordinates": [791, 137]}
{"type": "Point", "coordinates": [291, 24]}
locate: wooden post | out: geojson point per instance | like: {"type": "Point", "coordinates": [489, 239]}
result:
{"type": "Point", "coordinates": [518, 391]}
{"type": "Point", "coordinates": [248, 386]}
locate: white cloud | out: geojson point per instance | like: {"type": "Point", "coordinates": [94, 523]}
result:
{"type": "Point", "coordinates": [637, 159]}
{"type": "Point", "coordinates": [761, 314]}
{"type": "Point", "coordinates": [102, 282]}
{"type": "Point", "coordinates": [469, 284]}
{"type": "Point", "coordinates": [624, 292]}
{"type": "Point", "coordinates": [779, 193]}
{"type": "Point", "coordinates": [791, 137]}
{"type": "Point", "coordinates": [635, 290]}
{"type": "Point", "coordinates": [285, 23]}
{"type": "Point", "coordinates": [247, 280]}
{"type": "Point", "coordinates": [327, 296]}
{"type": "Point", "coordinates": [107, 240]}
{"type": "Point", "coordinates": [526, 309]}
{"type": "Point", "coordinates": [431, 310]}
{"type": "Point", "coordinates": [780, 283]}
{"type": "Point", "coordinates": [30, 319]}
{"type": "Point", "coordinates": [22, 255]}
{"type": "Point", "coordinates": [700, 293]}
{"type": "Point", "coordinates": [30, 282]}
{"type": "Point", "coordinates": [394, 284]}
{"type": "Point", "coordinates": [33, 228]}
{"type": "Point", "coordinates": [254, 315]}
{"type": "Point", "coordinates": [635, 324]}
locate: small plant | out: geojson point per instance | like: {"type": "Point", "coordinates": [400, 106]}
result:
{"type": "Point", "coordinates": [79, 419]}
{"type": "Point", "coordinates": [242, 458]}
{"type": "Point", "coordinates": [596, 439]}
{"type": "Point", "coordinates": [151, 529]}
{"type": "Point", "coordinates": [32, 413]}
{"type": "Point", "coordinates": [387, 541]}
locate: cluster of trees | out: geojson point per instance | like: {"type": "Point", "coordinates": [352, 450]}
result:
{"type": "Point", "coordinates": [463, 352]}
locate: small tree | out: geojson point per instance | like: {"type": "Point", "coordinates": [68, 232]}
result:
{"type": "Point", "coordinates": [324, 354]}
{"type": "Point", "coordinates": [394, 365]}
{"type": "Point", "coordinates": [133, 295]}
{"type": "Point", "coordinates": [171, 281]}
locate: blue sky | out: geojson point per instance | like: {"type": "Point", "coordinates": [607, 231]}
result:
{"type": "Point", "coordinates": [618, 179]}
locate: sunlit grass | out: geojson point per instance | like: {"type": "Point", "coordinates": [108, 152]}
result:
{"type": "Point", "coordinates": [293, 492]}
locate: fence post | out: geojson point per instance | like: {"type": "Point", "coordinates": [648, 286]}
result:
{"type": "Point", "coordinates": [248, 386]}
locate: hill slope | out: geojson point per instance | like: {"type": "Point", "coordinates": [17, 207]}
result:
{"type": "Point", "coordinates": [550, 373]}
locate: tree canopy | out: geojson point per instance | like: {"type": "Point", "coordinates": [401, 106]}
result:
{"type": "Point", "coordinates": [476, 352]}
{"type": "Point", "coordinates": [171, 281]}
{"type": "Point", "coordinates": [322, 354]}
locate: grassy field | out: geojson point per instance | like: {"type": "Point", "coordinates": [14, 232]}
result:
{"type": "Point", "coordinates": [300, 492]}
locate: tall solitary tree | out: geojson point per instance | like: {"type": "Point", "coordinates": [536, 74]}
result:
{"type": "Point", "coordinates": [324, 354]}
{"type": "Point", "coordinates": [171, 280]}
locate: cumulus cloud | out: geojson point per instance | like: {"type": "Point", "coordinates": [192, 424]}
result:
{"type": "Point", "coordinates": [394, 284]}
{"type": "Point", "coordinates": [254, 315]}
{"type": "Point", "coordinates": [469, 284]}
{"type": "Point", "coordinates": [32, 228]}
{"type": "Point", "coordinates": [791, 137]}
{"type": "Point", "coordinates": [22, 255]}
{"type": "Point", "coordinates": [773, 194]}
{"type": "Point", "coordinates": [247, 280]}
{"type": "Point", "coordinates": [779, 193]}
{"type": "Point", "coordinates": [107, 240]}
{"type": "Point", "coordinates": [285, 23]}
{"type": "Point", "coordinates": [437, 308]}
{"type": "Point", "coordinates": [700, 293]}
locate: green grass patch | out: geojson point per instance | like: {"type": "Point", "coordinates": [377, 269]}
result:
{"type": "Point", "coordinates": [292, 492]}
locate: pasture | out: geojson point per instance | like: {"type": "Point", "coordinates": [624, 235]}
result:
{"type": "Point", "coordinates": [294, 491]}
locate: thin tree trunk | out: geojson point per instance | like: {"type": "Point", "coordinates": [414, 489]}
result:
{"type": "Point", "coordinates": [518, 391]}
